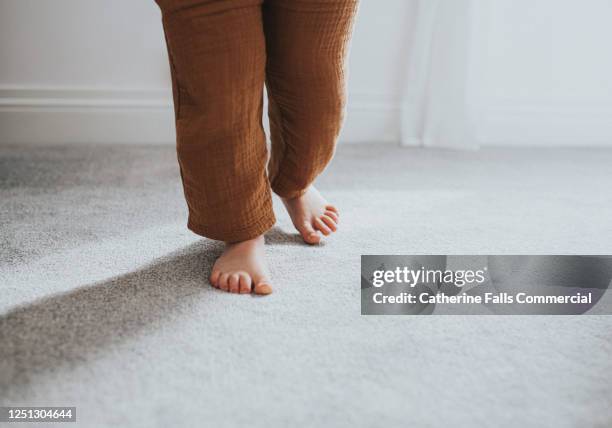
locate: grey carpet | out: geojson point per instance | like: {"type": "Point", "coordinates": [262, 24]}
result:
{"type": "Point", "coordinates": [105, 305]}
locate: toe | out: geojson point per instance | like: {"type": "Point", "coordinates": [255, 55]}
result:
{"type": "Point", "coordinates": [245, 283]}
{"type": "Point", "coordinates": [333, 209]}
{"type": "Point", "coordinates": [329, 222]}
{"type": "Point", "coordinates": [214, 278]}
{"type": "Point", "coordinates": [309, 235]}
{"type": "Point", "coordinates": [234, 283]}
{"type": "Point", "coordinates": [263, 287]}
{"type": "Point", "coordinates": [224, 282]}
{"type": "Point", "coordinates": [322, 227]}
{"type": "Point", "coordinates": [332, 215]}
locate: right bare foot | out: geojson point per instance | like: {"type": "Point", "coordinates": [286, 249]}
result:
{"type": "Point", "coordinates": [242, 268]}
{"type": "Point", "coordinates": [311, 214]}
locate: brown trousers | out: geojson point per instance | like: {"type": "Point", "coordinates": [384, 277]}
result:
{"type": "Point", "coordinates": [221, 54]}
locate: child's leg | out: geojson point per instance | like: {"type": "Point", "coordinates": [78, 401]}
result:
{"type": "Point", "coordinates": [217, 56]}
{"type": "Point", "coordinates": [306, 42]}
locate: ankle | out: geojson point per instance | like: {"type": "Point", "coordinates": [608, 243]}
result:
{"type": "Point", "coordinates": [258, 240]}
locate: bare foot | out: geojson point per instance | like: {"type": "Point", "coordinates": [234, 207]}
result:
{"type": "Point", "coordinates": [312, 215]}
{"type": "Point", "coordinates": [242, 268]}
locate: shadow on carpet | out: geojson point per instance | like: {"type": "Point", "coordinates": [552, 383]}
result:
{"type": "Point", "coordinates": [68, 329]}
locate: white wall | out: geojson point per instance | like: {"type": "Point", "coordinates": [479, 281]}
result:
{"type": "Point", "coordinates": [75, 70]}
{"type": "Point", "coordinates": [542, 72]}
{"type": "Point", "coordinates": [95, 70]}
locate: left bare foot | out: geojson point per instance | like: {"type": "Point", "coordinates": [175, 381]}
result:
{"type": "Point", "coordinates": [242, 268]}
{"type": "Point", "coordinates": [312, 215]}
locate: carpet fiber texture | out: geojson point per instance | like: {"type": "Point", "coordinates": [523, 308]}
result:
{"type": "Point", "coordinates": [105, 304]}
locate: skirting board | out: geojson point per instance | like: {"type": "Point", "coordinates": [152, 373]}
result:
{"type": "Point", "coordinates": [69, 115]}
{"type": "Point", "coordinates": [561, 124]}
{"type": "Point", "coordinates": [52, 116]}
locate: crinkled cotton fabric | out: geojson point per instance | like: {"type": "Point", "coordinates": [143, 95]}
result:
{"type": "Point", "coordinates": [222, 53]}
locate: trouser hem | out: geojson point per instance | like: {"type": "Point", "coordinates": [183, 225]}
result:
{"type": "Point", "coordinates": [235, 235]}
{"type": "Point", "coordinates": [286, 189]}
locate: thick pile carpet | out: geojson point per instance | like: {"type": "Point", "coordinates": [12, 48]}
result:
{"type": "Point", "coordinates": [105, 305]}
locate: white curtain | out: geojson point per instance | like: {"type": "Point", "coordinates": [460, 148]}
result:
{"type": "Point", "coordinates": [436, 110]}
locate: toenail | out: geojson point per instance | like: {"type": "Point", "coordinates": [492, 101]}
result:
{"type": "Point", "coordinates": [263, 289]}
